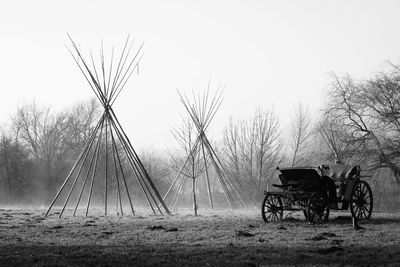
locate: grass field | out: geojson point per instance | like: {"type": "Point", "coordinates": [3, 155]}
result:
{"type": "Point", "coordinates": [214, 238]}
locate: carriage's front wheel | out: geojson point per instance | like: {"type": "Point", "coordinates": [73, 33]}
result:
{"type": "Point", "coordinates": [272, 208]}
{"type": "Point", "coordinates": [361, 201]}
{"type": "Point", "coordinates": [318, 208]}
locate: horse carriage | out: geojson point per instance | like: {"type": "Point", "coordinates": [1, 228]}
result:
{"type": "Point", "coordinates": [316, 191]}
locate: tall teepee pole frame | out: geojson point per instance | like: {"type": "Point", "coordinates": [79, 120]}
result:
{"type": "Point", "coordinates": [202, 110]}
{"type": "Point", "coordinates": [108, 148]}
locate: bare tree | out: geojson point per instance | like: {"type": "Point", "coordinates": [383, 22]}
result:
{"type": "Point", "coordinates": [82, 119]}
{"type": "Point", "coordinates": [51, 139]}
{"type": "Point", "coordinates": [186, 136]}
{"type": "Point", "coordinates": [231, 150]}
{"type": "Point", "coordinates": [369, 111]}
{"type": "Point", "coordinates": [158, 168]}
{"type": "Point", "coordinates": [44, 135]}
{"type": "Point", "coordinates": [252, 151]}
{"type": "Point", "coordinates": [268, 145]}
{"type": "Point", "coordinates": [300, 132]}
{"type": "Point", "coordinates": [14, 168]}
{"type": "Point", "coordinates": [188, 165]}
{"type": "Point", "coordinates": [338, 142]}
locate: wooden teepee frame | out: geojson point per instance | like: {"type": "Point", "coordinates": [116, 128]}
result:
{"type": "Point", "coordinates": [107, 84]}
{"type": "Point", "coordinates": [202, 110]}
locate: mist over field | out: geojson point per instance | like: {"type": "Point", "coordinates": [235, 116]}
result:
{"type": "Point", "coordinates": [40, 146]}
{"type": "Point", "coordinates": [183, 133]}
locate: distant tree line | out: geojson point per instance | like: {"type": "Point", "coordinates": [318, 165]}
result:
{"type": "Point", "coordinates": [359, 124]}
{"type": "Point", "coordinates": [38, 148]}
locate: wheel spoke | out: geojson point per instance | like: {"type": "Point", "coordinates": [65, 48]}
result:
{"type": "Point", "coordinates": [364, 189]}
{"type": "Point", "coordinates": [368, 207]}
{"type": "Point", "coordinates": [358, 190]}
{"type": "Point", "coordinates": [363, 214]}
{"type": "Point", "coordinates": [356, 193]}
{"type": "Point", "coordinates": [357, 211]}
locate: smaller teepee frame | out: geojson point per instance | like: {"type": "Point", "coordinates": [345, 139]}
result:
{"type": "Point", "coordinates": [109, 137]}
{"type": "Point", "coordinates": [202, 110]}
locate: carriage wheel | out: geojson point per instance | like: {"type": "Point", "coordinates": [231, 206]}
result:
{"type": "Point", "coordinates": [272, 208]}
{"type": "Point", "coordinates": [361, 201]}
{"type": "Point", "coordinates": [318, 208]}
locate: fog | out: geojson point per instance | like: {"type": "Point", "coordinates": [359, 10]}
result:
{"type": "Point", "coordinates": [281, 64]}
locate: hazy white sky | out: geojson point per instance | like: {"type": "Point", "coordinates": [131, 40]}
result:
{"type": "Point", "coordinates": [269, 53]}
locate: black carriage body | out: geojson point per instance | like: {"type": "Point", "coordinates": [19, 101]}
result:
{"type": "Point", "coordinates": [300, 179]}
{"type": "Point", "coordinates": [305, 188]}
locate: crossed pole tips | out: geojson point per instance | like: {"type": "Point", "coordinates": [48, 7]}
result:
{"type": "Point", "coordinates": [108, 160]}
{"type": "Point", "coordinates": [201, 110]}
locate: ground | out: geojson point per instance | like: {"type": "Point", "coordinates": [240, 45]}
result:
{"type": "Point", "coordinates": [216, 238]}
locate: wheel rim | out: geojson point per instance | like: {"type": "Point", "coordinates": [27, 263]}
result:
{"type": "Point", "coordinates": [318, 209]}
{"type": "Point", "coordinates": [361, 202]}
{"type": "Point", "coordinates": [272, 210]}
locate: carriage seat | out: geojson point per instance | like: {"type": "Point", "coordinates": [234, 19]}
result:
{"type": "Point", "coordinates": [285, 182]}
{"type": "Point", "coordinates": [340, 172]}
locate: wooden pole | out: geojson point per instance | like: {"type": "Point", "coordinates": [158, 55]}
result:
{"type": "Point", "coordinates": [178, 192]}
{"type": "Point", "coordinates": [92, 78]}
{"type": "Point", "coordinates": [116, 176]}
{"type": "Point", "coordinates": [128, 71]}
{"type": "Point", "coordinates": [117, 72]}
{"type": "Point", "coordinates": [109, 74]}
{"type": "Point", "coordinates": [76, 178]}
{"type": "Point", "coordinates": [106, 161]}
{"type": "Point", "coordinates": [132, 164]}
{"type": "Point", "coordinates": [75, 165]}
{"type": "Point", "coordinates": [218, 172]}
{"type": "Point", "coordinates": [122, 172]}
{"type": "Point", "coordinates": [233, 187]}
{"type": "Point", "coordinates": [176, 178]}
{"type": "Point", "coordinates": [207, 177]}
{"type": "Point", "coordinates": [93, 87]}
{"type": "Point", "coordinates": [94, 170]}
{"type": "Point", "coordinates": [87, 176]}
{"type": "Point", "coordinates": [137, 168]}
{"type": "Point", "coordinates": [141, 165]}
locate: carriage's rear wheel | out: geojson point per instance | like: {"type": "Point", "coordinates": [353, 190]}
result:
{"type": "Point", "coordinates": [318, 208]}
{"type": "Point", "coordinates": [361, 201]}
{"type": "Point", "coordinates": [272, 208]}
